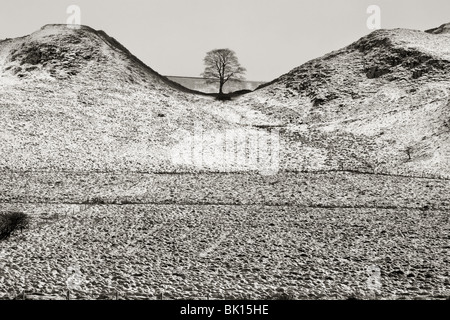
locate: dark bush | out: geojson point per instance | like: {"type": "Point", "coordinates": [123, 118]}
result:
{"type": "Point", "coordinates": [12, 221]}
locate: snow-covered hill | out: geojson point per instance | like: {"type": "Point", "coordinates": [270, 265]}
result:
{"type": "Point", "coordinates": [382, 103]}
{"type": "Point", "coordinates": [75, 99]}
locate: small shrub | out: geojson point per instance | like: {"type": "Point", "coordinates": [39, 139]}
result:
{"type": "Point", "coordinates": [12, 221]}
{"type": "Point", "coordinates": [447, 124]}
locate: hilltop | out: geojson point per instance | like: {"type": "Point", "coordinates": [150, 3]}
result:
{"type": "Point", "coordinates": [445, 28]}
{"type": "Point", "coordinates": [62, 53]}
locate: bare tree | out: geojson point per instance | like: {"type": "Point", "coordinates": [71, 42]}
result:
{"type": "Point", "coordinates": [222, 65]}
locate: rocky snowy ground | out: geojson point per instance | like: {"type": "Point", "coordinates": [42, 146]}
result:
{"type": "Point", "coordinates": [215, 246]}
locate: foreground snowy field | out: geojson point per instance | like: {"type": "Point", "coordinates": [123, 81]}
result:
{"type": "Point", "coordinates": [240, 242]}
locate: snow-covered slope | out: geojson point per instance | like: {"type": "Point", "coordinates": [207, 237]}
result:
{"type": "Point", "coordinates": [75, 99]}
{"type": "Point", "coordinates": [382, 103]}
{"type": "Point", "coordinates": [78, 100]}
{"type": "Point", "coordinates": [56, 52]}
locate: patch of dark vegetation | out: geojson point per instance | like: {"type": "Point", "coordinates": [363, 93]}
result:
{"type": "Point", "coordinates": [12, 221]}
{"type": "Point", "coordinates": [447, 122]}
{"type": "Point", "coordinates": [32, 68]}
{"type": "Point", "coordinates": [52, 57]}
{"type": "Point", "coordinates": [376, 72]}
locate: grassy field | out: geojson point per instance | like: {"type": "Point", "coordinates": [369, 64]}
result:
{"type": "Point", "coordinates": [292, 235]}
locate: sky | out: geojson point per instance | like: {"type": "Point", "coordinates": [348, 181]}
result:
{"type": "Point", "coordinates": [270, 37]}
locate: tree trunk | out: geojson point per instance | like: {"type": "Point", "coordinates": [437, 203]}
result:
{"type": "Point", "coordinates": [221, 87]}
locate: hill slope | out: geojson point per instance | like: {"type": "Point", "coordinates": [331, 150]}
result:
{"type": "Point", "coordinates": [382, 103]}
{"type": "Point", "coordinates": [78, 100]}
{"type": "Point", "coordinates": [62, 53]}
